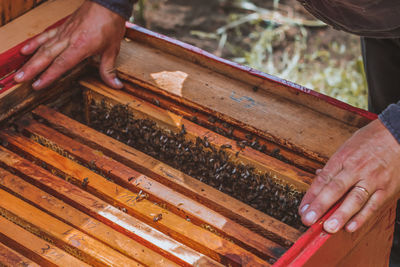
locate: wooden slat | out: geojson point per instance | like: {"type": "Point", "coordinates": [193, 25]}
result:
{"type": "Point", "coordinates": [11, 9]}
{"type": "Point", "coordinates": [43, 252]}
{"type": "Point", "coordinates": [81, 221]}
{"type": "Point", "coordinates": [263, 81]}
{"type": "Point", "coordinates": [64, 236]}
{"type": "Point", "coordinates": [275, 117]}
{"type": "Point", "coordinates": [134, 181]}
{"type": "Point", "coordinates": [214, 199]}
{"type": "Point", "coordinates": [190, 113]}
{"type": "Point", "coordinates": [10, 257]}
{"type": "Point", "coordinates": [175, 226]}
{"type": "Point", "coordinates": [35, 21]}
{"type": "Point", "coordinates": [102, 211]}
{"type": "Point", "coordinates": [22, 96]}
{"type": "Point", "coordinates": [142, 109]}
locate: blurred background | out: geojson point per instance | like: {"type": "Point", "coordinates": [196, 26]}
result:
{"type": "Point", "coordinates": [278, 37]}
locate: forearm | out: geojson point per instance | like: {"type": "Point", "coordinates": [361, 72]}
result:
{"type": "Point", "coordinates": [390, 117]}
{"type": "Point", "coordinates": [121, 7]}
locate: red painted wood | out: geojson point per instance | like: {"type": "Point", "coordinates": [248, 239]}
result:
{"type": "Point", "coordinates": [12, 60]}
{"type": "Point", "coordinates": [308, 244]}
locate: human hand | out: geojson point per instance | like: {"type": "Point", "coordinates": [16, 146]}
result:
{"type": "Point", "coordinates": [92, 29]}
{"type": "Point", "coordinates": [367, 164]}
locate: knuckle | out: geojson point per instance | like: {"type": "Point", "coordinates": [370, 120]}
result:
{"type": "Point", "coordinates": [46, 53]}
{"type": "Point", "coordinates": [323, 177]}
{"type": "Point", "coordinates": [60, 61]}
{"type": "Point", "coordinates": [337, 185]}
{"type": "Point", "coordinates": [373, 205]}
{"type": "Point", "coordinates": [359, 197]}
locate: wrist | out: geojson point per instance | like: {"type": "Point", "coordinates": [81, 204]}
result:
{"type": "Point", "coordinates": [390, 118]}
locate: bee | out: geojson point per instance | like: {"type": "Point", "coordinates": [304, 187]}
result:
{"type": "Point", "coordinates": [249, 136]}
{"type": "Point", "coordinates": [183, 130]}
{"type": "Point", "coordinates": [226, 146]}
{"type": "Point", "coordinates": [263, 148]}
{"type": "Point", "coordinates": [205, 142]}
{"type": "Point", "coordinates": [275, 151]}
{"type": "Point", "coordinates": [194, 119]}
{"type": "Point", "coordinates": [157, 218]}
{"type": "Point", "coordinates": [241, 144]}
{"type": "Point", "coordinates": [156, 102]}
{"type": "Point", "coordinates": [85, 182]}
{"type": "Point", "coordinates": [211, 119]}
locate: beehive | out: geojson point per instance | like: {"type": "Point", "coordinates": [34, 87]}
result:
{"type": "Point", "coordinates": [198, 161]}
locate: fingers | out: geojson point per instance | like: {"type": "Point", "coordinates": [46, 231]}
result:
{"type": "Point", "coordinates": [35, 43]}
{"type": "Point", "coordinates": [40, 61]}
{"type": "Point", "coordinates": [352, 204]}
{"type": "Point", "coordinates": [324, 176]}
{"type": "Point", "coordinates": [62, 63]}
{"type": "Point", "coordinates": [107, 71]}
{"type": "Point", "coordinates": [372, 207]}
{"type": "Point", "coordinates": [328, 195]}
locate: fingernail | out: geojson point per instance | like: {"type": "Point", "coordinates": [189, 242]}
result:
{"type": "Point", "coordinates": [19, 75]}
{"type": "Point", "coordinates": [352, 227]}
{"type": "Point", "coordinates": [331, 226]}
{"type": "Point", "coordinates": [118, 82]}
{"type": "Point", "coordinates": [311, 217]}
{"type": "Point", "coordinates": [25, 47]}
{"type": "Point", "coordinates": [304, 208]}
{"type": "Point", "coordinates": [318, 171]}
{"type": "Point", "coordinates": [37, 83]}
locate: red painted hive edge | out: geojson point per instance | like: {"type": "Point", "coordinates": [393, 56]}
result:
{"type": "Point", "coordinates": [11, 60]}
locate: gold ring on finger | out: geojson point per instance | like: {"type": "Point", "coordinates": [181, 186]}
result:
{"type": "Point", "coordinates": [362, 189]}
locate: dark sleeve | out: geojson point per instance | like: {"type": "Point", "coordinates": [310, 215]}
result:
{"type": "Point", "coordinates": [390, 117]}
{"type": "Point", "coordinates": [121, 7]}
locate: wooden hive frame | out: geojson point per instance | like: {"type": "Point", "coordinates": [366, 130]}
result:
{"type": "Point", "coordinates": [83, 197]}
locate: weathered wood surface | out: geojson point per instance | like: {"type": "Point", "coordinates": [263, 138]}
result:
{"type": "Point", "coordinates": [272, 116]}
{"type": "Point", "coordinates": [156, 192]}
{"type": "Point", "coordinates": [180, 229]}
{"type": "Point", "coordinates": [11, 9]}
{"type": "Point", "coordinates": [81, 221]}
{"type": "Point", "coordinates": [10, 257]}
{"type": "Point", "coordinates": [33, 22]}
{"type": "Point", "coordinates": [203, 118]}
{"type": "Point", "coordinates": [21, 96]}
{"type": "Point", "coordinates": [43, 252]}
{"type": "Point", "coordinates": [210, 197]}
{"type": "Point", "coordinates": [324, 104]}
{"type": "Point", "coordinates": [103, 211]}
{"type": "Point", "coordinates": [72, 240]}
{"type": "Point", "coordinates": [168, 120]}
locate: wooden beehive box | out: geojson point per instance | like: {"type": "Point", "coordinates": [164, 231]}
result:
{"type": "Point", "coordinates": [94, 176]}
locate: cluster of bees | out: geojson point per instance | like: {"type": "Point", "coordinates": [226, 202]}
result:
{"type": "Point", "coordinates": [201, 160]}
{"type": "Point", "coordinates": [228, 131]}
